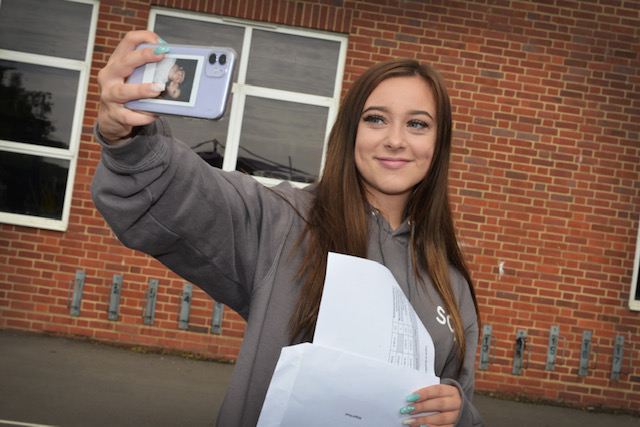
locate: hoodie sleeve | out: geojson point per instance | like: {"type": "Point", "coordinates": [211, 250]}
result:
{"type": "Point", "coordinates": [207, 226]}
{"type": "Point", "coordinates": [469, 416]}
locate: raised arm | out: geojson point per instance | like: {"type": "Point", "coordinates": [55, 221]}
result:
{"type": "Point", "coordinates": [212, 228]}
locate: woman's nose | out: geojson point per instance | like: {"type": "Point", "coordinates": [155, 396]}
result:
{"type": "Point", "coordinates": [395, 138]}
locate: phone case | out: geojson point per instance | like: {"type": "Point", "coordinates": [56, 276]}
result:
{"type": "Point", "coordinates": [198, 81]}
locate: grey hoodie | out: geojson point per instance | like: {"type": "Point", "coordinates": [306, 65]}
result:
{"type": "Point", "coordinates": [228, 234]}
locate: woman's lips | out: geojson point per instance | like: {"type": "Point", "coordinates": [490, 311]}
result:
{"type": "Point", "coordinates": [392, 163]}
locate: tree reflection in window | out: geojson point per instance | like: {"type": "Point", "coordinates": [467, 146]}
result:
{"type": "Point", "coordinates": [24, 114]}
{"type": "Point", "coordinates": [31, 185]}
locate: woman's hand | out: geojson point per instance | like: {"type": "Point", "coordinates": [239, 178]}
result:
{"type": "Point", "coordinates": [115, 121]}
{"type": "Point", "coordinates": [444, 401]}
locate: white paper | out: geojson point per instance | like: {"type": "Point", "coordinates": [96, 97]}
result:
{"type": "Point", "coordinates": [319, 387]}
{"type": "Point", "coordinates": [363, 310]}
{"type": "Point", "coordinates": [370, 351]}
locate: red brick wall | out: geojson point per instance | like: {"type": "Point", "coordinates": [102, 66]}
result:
{"type": "Point", "coordinates": [545, 184]}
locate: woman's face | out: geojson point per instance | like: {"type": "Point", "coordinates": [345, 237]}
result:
{"type": "Point", "coordinates": [396, 139]}
{"type": "Point", "coordinates": [176, 74]}
{"type": "Point", "coordinates": [173, 89]}
{"type": "Point", "coordinates": [178, 77]}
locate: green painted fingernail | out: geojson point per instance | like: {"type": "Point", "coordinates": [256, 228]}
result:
{"type": "Point", "coordinates": [413, 397]}
{"type": "Point", "coordinates": [407, 409]}
{"type": "Point", "coordinates": [161, 49]}
{"type": "Point", "coordinates": [162, 41]}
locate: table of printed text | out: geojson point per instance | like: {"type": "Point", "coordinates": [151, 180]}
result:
{"type": "Point", "coordinates": [404, 333]}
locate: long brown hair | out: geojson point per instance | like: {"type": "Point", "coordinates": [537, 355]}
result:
{"type": "Point", "coordinates": [337, 222]}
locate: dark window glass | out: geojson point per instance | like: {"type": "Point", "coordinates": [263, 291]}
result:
{"type": "Point", "coordinates": [282, 139]}
{"type": "Point", "coordinates": [293, 63]}
{"type": "Point", "coordinates": [190, 31]}
{"type": "Point", "coordinates": [37, 103]}
{"type": "Point", "coordinates": [32, 185]}
{"type": "Point", "coordinates": [46, 27]}
{"type": "Point", "coordinates": [208, 138]}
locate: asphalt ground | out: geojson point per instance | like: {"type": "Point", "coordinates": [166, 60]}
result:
{"type": "Point", "coordinates": [54, 381]}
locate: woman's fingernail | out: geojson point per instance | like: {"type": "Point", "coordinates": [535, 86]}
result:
{"type": "Point", "coordinates": [162, 41]}
{"type": "Point", "coordinates": [413, 398]}
{"type": "Point", "coordinates": [158, 87]}
{"type": "Point", "coordinates": [161, 49]}
{"type": "Point", "coordinates": [407, 409]}
{"type": "Point", "coordinates": [408, 422]}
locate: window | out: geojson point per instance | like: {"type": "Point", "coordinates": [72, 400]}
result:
{"type": "Point", "coordinates": [283, 102]}
{"type": "Point", "coordinates": [45, 53]}
{"type": "Point", "coordinates": [634, 295]}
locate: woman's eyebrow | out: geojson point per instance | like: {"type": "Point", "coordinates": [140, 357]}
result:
{"type": "Point", "coordinates": [374, 108]}
{"type": "Point", "coordinates": [417, 112]}
{"type": "Point", "coordinates": [386, 110]}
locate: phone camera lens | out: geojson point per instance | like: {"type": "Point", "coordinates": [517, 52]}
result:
{"type": "Point", "coordinates": [223, 59]}
{"type": "Point", "coordinates": [212, 58]}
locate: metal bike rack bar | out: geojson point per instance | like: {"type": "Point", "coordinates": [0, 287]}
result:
{"type": "Point", "coordinates": [185, 306]}
{"type": "Point", "coordinates": [149, 310]}
{"type": "Point", "coordinates": [115, 290]}
{"type": "Point", "coordinates": [485, 348]}
{"type": "Point", "coordinates": [585, 354]}
{"type": "Point", "coordinates": [78, 286]}
{"type": "Point", "coordinates": [552, 349]}
{"type": "Point", "coordinates": [216, 318]}
{"type": "Point", "coordinates": [518, 354]}
{"type": "Point", "coordinates": [618, 357]}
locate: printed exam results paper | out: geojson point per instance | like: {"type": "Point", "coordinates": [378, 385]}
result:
{"type": "Point", "coordinates": [364, 311]}
{"type": "Point", "coordinates": [370, 350]}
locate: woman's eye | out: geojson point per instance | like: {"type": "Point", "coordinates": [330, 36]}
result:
{"type": "Point", "coordinates": [418, 124]}
{"type": "Point", "coordinates": [374, 119]}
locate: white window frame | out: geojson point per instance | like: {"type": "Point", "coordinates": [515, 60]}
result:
{"type": "Point", "coordinates": [71, 153]}
{"type": "Point", "coordinates": [241, 89]}
{"type": "Point", "coordinates": [634, 304]}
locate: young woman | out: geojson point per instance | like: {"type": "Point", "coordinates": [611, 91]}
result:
{"type": "Point", "coordinates": [263, 252]}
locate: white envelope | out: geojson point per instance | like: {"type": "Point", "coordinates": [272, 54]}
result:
{"type": "Point", "coordinates": [316, 386]}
